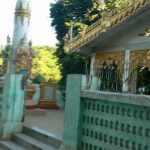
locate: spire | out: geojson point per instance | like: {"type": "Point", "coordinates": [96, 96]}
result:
{"type": "Point", "coordinates": [23, 8]}
{"type": "Point", "coordinates": [8, 40]}
{"type": "Point", "coordinates": [20, 33]}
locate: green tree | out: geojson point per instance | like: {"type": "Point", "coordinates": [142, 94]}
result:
{"type": "Point", "coordinates": [45, 64]}
{"type": "Point", "coordinates": [64, 12]}
{"type": "Point", "coordinates": [80, 15]}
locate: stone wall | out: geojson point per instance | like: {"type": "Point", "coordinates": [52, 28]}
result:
{"type": "Point", "coordinates": [113, 121]}
{"type": "Point", "coordinates": [97, 120]}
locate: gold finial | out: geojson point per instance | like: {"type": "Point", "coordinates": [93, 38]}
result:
{"type": "Point", "coordinates": [8, 40]}
{"type": "Point", "coordinates": [22, 8]}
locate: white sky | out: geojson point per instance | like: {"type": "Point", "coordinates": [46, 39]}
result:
{"type": "Point", "coordinates": [40, 30]}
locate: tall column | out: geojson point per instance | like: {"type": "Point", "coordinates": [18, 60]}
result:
{"type": "Point", "coordinates": [72, 132]}
{"type": "Point", "coordinates": [125, 87]}
{"type": "Point", "coordinates": [92, 69]}
{"type": "Point", "coordinates": [18, 70]}
{"type": "Point", "coordinates": [20, 33]}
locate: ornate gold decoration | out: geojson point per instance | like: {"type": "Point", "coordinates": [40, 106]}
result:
{"type": "Point", "coordinates": [107, 21]}
{"type": "Point", "coordinates": [140, 58]}
{"type": "Point", "coordinates": [109, 57]}
{"type": "Point", "coordinates": [148, 55]}
{"type": "Point", "coordinates": [24, 58]}
{"type": "Point", "coordinates": [23, 11]}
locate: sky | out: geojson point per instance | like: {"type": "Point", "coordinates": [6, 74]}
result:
{"type": "Point", "coordinates": [40, 30]}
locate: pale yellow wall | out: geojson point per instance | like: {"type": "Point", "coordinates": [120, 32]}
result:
{"type": "Point", "coordinates": [118, 56]}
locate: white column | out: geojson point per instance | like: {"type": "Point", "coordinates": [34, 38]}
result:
{"type": "Point", "coordinates": [92, 64]}
{"type": "Point", "coordinates": [20, 32]}
{"type": "Point", "coordinates": [93, 80]}
{"type": "Point", "coordinates": [14, 84]}
{"type": "Point", "coordinates": [125, 86]}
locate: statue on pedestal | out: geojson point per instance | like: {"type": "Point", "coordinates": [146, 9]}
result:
{"type": "Point", "coordinates": [6, 55]}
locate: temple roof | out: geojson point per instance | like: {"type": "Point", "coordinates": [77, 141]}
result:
{"type": "Point", "coordinates": [108, 22]}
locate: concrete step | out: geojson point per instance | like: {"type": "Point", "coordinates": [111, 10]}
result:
{"type": "Point", "coordinates": [43, 136]}
{"type": "Point", "coordinates": [35, 112]}
{"type": "Point", "coordinates": [8, 145]}
{"type": "Point", "coordinates": [30, 143]}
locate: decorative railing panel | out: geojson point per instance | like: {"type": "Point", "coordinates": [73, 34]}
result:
{"type": "Point", "coordinates": [108, 79]}
{"type": "Point", "coordinates": [109, 68]}
{"type": "Point", "coordinates": [114, 126]}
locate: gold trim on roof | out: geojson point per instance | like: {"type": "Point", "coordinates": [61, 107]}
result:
{"type": "Point", "coordinates": [107, 21]}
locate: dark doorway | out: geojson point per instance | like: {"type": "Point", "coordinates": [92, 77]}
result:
{"type": "Point", "coordinates": [143, 80]}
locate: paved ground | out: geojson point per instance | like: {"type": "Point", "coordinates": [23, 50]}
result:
{"type": "Point", "coordinates": [49, 120]}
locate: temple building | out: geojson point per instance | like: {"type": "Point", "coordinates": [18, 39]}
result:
{"type": "Point", "coordinates": [119, 46]}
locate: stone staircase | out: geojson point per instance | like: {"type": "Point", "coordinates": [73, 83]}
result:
{"type": "Point", "coordinates": [31, 139]}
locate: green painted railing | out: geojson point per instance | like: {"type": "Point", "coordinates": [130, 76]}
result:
{"type": "Point", "coordinates": [97, 120]}
{"type": "Point", "coordinates": [110, 125]}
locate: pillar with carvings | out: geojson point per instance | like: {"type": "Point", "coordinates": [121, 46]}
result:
{"type": "Point", "coordinates": [18, 70]}
{"type": "Point", "coordinates": [20, 34]}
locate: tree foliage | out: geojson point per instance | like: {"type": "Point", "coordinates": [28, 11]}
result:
{"type": "Point", "coordinates": [45, 64]}
{"type": "Point", "coordinates": [77, 13]}
{"type": "Point", "coordinates": [80, 14]}
{"type": "Point", "coordinates": [65, 13]}
{"type": "Point", "coordinates": [109, 5]}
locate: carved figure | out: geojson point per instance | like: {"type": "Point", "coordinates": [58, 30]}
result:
{"type": "Point", "coordinates": [24, 59]}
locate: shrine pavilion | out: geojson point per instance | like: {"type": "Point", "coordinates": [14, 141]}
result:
{"type": "Point", "coordinates": [119, 46]}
